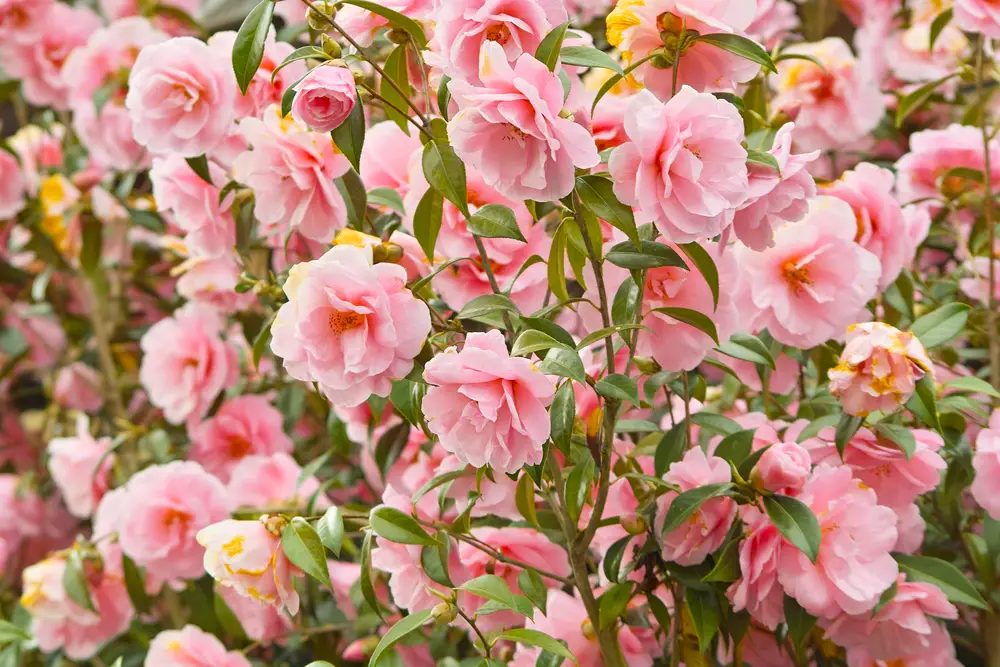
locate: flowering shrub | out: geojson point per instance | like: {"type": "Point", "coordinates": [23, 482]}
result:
{"type": "Point", "coordinates": [471, 333]}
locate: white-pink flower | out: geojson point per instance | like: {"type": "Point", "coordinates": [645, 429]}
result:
{"type": "Point", "coordinates": [511, 130]}
{"type": "Point", "coordinates": [684, 168]}
{"type": "Point", "coordinates": [80, 467]}
{"type": "Point", "coordinates": [194, 204]}
{"type": "Point", "coordinates": [349, 325]}
{"type": "Point", "coordinates": [487, 407]}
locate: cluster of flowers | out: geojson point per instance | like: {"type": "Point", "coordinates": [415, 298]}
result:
{"type": "Point", "coordinates": [514, 331]}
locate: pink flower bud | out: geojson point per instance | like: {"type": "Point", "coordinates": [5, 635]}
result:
{"type": "Point", "coordinates": [325, 98]}
{"type": "Point", "coordinates": [785, 465]}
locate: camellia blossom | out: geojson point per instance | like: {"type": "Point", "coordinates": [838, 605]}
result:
{"type": "Point", "coordinates": [638, 27]}
{"type": "Point", "coordinates": [194, 204]}
{"type": "Point", "coordinates": [878, 369]}
{"type": "Point", "coordinates": [191, 647]}
{"type": "Point", "coordinates": [784, 467]}
{"type": "Point", "coordinates": [325, 98]}
{"type": "Point", "coordinates": [291, 171]}
{"type": "Point", "coordinates": [834, 106]}
{"type": "Point", "coordinates": [684, 168]}
{"type": "Point", "coordinates": [511, 130]}
{"type": "Point", "coordinates": [247, 556]}
{"type": "Point", "coordinates": [78, 387]}
{"type": "Point", "coordinates": [814, 281]}
{"type": "Point", "coordinates": [387, 155]}
{"type": "Point", "coordinates": [186, 363]}
{"type": "Point", "coordinates": [180, 98]}
{"type": "Point", "coordinates": [80, 467]}
{"type": "Point", "coordinates": [854, 566]}
{"type": "Point", "coordinates": [986, 463]}
{"type": "Point", "coordinates": [757, 590]}
{"type": "Point", "coordinates": [275, 480]}
{"type": "Point", "coordinates": [349, 325]}
{"type": "Point", "coordinates": [933, 153]}
{"type": "Point", "coordinates": [12, 186]}
{"type": "Point", "coordinates": [704, 531]}
{"type": "Point", "coordinates": [487, 407]}
{"type": "Point", "coordinates": [21, 20]}
{"type": "Point", "coordinates": [982, 16]}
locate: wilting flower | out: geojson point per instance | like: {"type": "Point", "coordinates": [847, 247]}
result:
{"type": "Point", "coordinates": [487, 407]}
{"type": "Point", "coordinates": [247, 556]}
{"type": "Point", "coordinates": [878, 369]}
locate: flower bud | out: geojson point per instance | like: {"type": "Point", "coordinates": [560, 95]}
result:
{"type": "Point", "coordinates": [647, 366]}
{"type": "Point", "coordinates": [320, 20]}
{"type": "Point", "coordinates": [587, 628]}
{"type": "Point", "coordinates": [634, 524]}
{"type": "Point", "coordinates": [330, 46]}
{"type": "Point", "coordinates": [444, 613]}
{"type": "Point", "coordinates": [393, 253]}
{"type": "Point", "coordinates": [397, 36]}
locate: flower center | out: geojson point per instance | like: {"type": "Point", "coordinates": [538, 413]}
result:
{"type": "Point", "coordinates": [341, 321]}
{"type": "Point", "coordinates": [175, 517]}
{"type": "Point", "coordinates": [498, 32]}
{"type": "Point", "coordinates": [238, 446]}
{"type": "Point", "coordinates": [796, 275]}
{"type": "Point", "coordinates": [515, 134]}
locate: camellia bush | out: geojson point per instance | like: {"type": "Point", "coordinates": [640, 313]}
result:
{"type": "Point", "coordinates": [471, 333]}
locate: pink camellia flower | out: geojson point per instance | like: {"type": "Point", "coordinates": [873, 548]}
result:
{"type": "Point", "coordinates": [363, 25]}
{"type": "Point", "coordinates": [461, 28]}
{"type": "Point", "coordinates": [523, 544]}
{"type": "Point", "coordinates": [80, 467]}
{"type": "Point", "coordinates": [878, 369]}
{"type": "Point", "coordinates": [12, 186]}
{"type": "Point", "coordinates": [882, 466]}
{"type": "Point", "coordinates": [243, 426]}
{"type": "Point", "coordinates": [784, 466]}
{"type": "Point", "coordinates": [271, 481]}
{"type": "Point", "coordinates": [325, 98]}
{"type": "Point", "coordinates": [909, 59]}
{"type": "Point", "coordinates": [911, 528]}
{"type": "Point", "coordinates": [566, 620]}
{"type": "Point", "coordinates": [262, 622]}
{"type": "Point", "coordinates": [386, 157]}
{"type": "Point", "coordinates": [43, 334]}
{"type": "Point", "coordinates": [775, 197]}
{"type": "Point", "coordinates": [186, 364]}
{"type": "Point", "coordinates": [705, 530]}
{"type": "Point", "coordinates": [194, 204]}
{"type": "Point", "coordinates": [292, 12]}
{"type": "Point", "coordinates": [78, 388]}
{"type": "Point", "coordinates": [21, 20]}
{"type": "Point", "coordinates": [814, 281]}
{"type": "Point", "coordinates": [291, 171]}
{"type": "Point", "coordinates": [213, 281]}
{"type": "Point", "coordinates": [39, 62]}
{"type": "Point", "coordinates": [59, 623]}
{"type": "Point", "coordinates": [638, 28]}
{"type": "Point", "coordinates": [247, 556]}
{"type": "Point", "coordinates": [977, 282]}
{"type": "Point", "coordinates": [757, 590]}
{"type": "Point", "coordinates": [939, 652]}
{"type": "Point", "coordinates": [986, 463]}
{"type": "Point", "coordinates": [903, 626]}
{"type": "Point", "coordinates": [165, 506]}
{"type": "Point", "coordinates": [854, 566]}
{"type": "Point", "coordinates": [982, 16]}
{"type": "Point", "coordinates": [834, 106]}
{"type": "Point", "coordinates": [487, 407]}
{"type": "Point", "coordinates": [494, 498]}
{"type": "Point", "coordinates": [933, 153]}
{"type": "Point", "coordinates": [191, 647]}
{"type": "Point", "coordinates": [684, 168]}
{"type": "Point", "coordinates": [180, 98]}
{"type": "Point", "coordinates": [881, 225]}
{"type": "Point", "coordinates": [510, 130]}
{"type": "Point", "coordinates": [349, 325]}
{"type": "Point", "coordinates": [115, 10]}
{"type": "Point", "coordinates": [265, 88]}
{"type": "Point", "coordinates": [774, 20]}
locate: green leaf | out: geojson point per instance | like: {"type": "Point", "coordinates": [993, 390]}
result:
{"type": "Point", "coordinates": [75, 580]}
{"type": "Point", "coordinates": [796, 522]}
{"type": "Point", "coordinates": [671, 448]}
{"type": "Point", "coordinates": [705, 615]}
{"type": "Point", "coordinates": [740, 46]}
{"type": "Point", "coordinates": [352, 190]}
{"type": "Point", "coordinates": [551, 329]}
{"type": "Point", "coordinates": [660, 611]}
{"type": "Point", "coordinates": [556, 271]}
{"type": "Point", "coordinates": [534, 588]}
{"type": "Point", "coordinates": [799, 56]}
{"type": "Point", "coordinates": [747, 347]}
{"type": "Point", "coordinates": [817, 425]}
{"type": "Point", "coordinates": [612, 603]}
{"type": "Point", "coordinates": [735, 447]}
{"type": "Point", "coordinates": [588, 56]}
{"type": "Point", "coordinates": [404, 23]}
{"type": "Point", "coordinates": [426, 280]}
{"type": "Point", "coordinates": [302, 545]}
{"type": "Point", "coordinates": [846, 428]}
{"type": "Point", "coordinates": [763, 159]}
{"type": "Point", "coordinates": [699, 321]}
{"type": "Point", "coordinates": [942, 325]}
{"type": "Point", "coordinates": [618, 387]}
{"type": "Point", "coordinates": [104, 94]}
{"type": "Point", "coordinates": [926, 396]}
{"type": "Point", "coordinates": [938, 25]}
{"type": "Point", "coordinates": [706, 265]}
{"type": "Point", "coordinates": [427, 221]}
{"type": "Point", "coordinates": [11, 633]}
{"type": "Point", "coordinates": [445, 172]}
{"type": "Point", "coordinates": [330, 528]}
{"type": "Point", "coordinates": [973, 385]}
{"type": "Point", "coordinates": [405, 626]}
{"type": "Point", "coordinates": [367, 586]}
{"type": "Point", "coordinates": [597, 194]}
{"type": "Point", "coordinates": [396, 107]}
{"type": "Point", "coordinates": [260, 343]}
{"type": "Point", "coordinates": [92, 231]}
{"type": "Point", "coordinates": [301, 53]}
{"type": "Point", "coordinates": [135, 584]}
{"type": "Point", "coordinates": [288, 96]}
{"type": "Point", "coordinates": [248, 49]}
{"type": "Point", "coordinates": [625, 306]}
{"type": "Point", "coordinates": [646, 255]}
{"type": "Point", "coordinates": [524, 498]}
{"type": "Point", "coordinates": [537, 638]}
{"type": "Point", "coordinates": [395, 526]}
{"type": "Point", "coordinates": [444, 96]}
{"type": "Point", "coordinates": [494, 588]}
{"type": "Point", "coordinates": [564, 363]}
{"type": "Point", "coordinates": [199, 165]}
{"type": "Point", "coordinates": [495, 221]}
{"type": "Point", "coordinates": [386, 198]}
{"type": "Point", "coordinates": [727, 563]}
{"type": "Point", "coordinates": [601, 334]}
{"type": "Point", "coordinates": [901, 436]}
{"type": "Point", "coordinates": [910, 103]}
{"type": "Point", "coordinates": [349, 136]}
{"type": "Point", "coordinates": [612, 562]}
{"type": "Point", "coordinates": [485, 304]}
{"type": "Point", "coordinates": [549, 48]}
{"type": "Point", "coordinates": [578, 486]}
{"type": "Point", "coordinates": [562, 415]}
{"type": "Point", "coordinates": [716, 423]}
{"type": "Point", "coordinates": [746, 466]}
{"type": "Point", "coordinates": [944, 575]}
{"type": "Point", "coordinates": [434, 560]}
{"type": "Point", "coordinates": [687, 503]}
{"type": "Point", "coordinates": [800, 623]}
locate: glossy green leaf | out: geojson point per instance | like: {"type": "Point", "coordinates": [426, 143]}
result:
{"type": "Point", "coordinates": [747, 347]}
{"type": "Point", "coordinates": [706, 266]}
{"type": "Point", "coordinates": [393, 525]}
{"type": "Point", "coordinates": [564, 363]}
{"type": "Point", "coordinates": [914, 100]}
{"type": "Point", "coordinates": [349, 136]}
{"type": "Point", "coordinates": [301, 543]}
{"type": "Point", "coordinates": [741, 46]}
{"type": "Point", "coordinates": [618, 387]}
{"type": "Point", "coordinates": [445, 172]}
{"type": "Point", "coordinates": [901, 436]}
{"type": "Point", "coordinates": [494, 588]}
{"type": "Point", "coordinates": [403, 627]}
{"type": "Point", "coordinates": [612, 603]}
{"type": "Point", "coordinates": [588, 56]}
{"type": "Point", "coordinates": [248, 49]}
{"type": "Point", "coordinates": [534, 588]}
{"type": "Point", "coordinates": [796, 522]}
{"type": "Point", "coordinates": [549, 48]}
{"type": "Point", "coordinates": [562, 415]}
{"type": "Point", "coordinates": [495, 221]}
{"type": "Point", "coordinates": [396, 71]}
{"type": "Point", "coordinates": [330, 528]}
{"type": "Point", "coordinates": [687, 503]}
{"type": "Point", "coordinates": [944, 575]}
{"type": "Point", "coordinates": [942, 325]}
{"type": "Point", "coordinates": [485, 304]}
{"type": "Point", "coordinates": [597, 194]}
{"type": "Point", "coordinates": [75, 580]}
{"type": "Point", "coordinates": [646, 255]}
{"type": "Point", "coordinates": [694, 318]}
{"type": "Point", "coordinates": [199, 165]}
{"type": "Point", "coordinates": [536, 638]}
